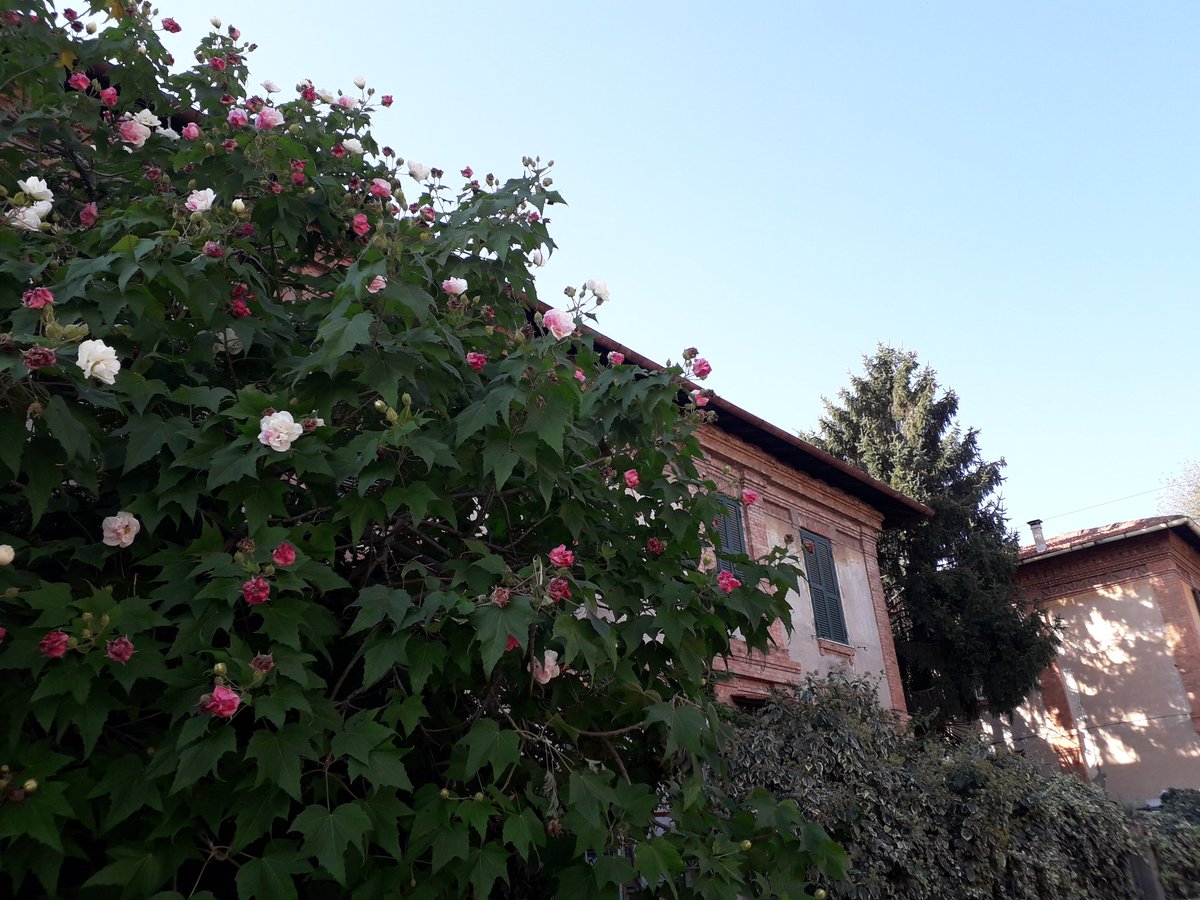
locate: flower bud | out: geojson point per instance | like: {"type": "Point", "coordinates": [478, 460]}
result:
{"type": "Point", "coordinates": [216, 23]}
{"type": "Point", "coordinates": [7, 554]}
{"type": "Point", "coordinates": [91, 27]}
{"type": "Point", "coordinates": [570, 291]}
{"type": "Point", "coordinates": [406, 399]}
{"type": "Point", "coordinates": [380, 405]}
{"type": "Point", "coordinates": [444, 794]}
{"type": "Point", "coordinates": [219, 669]}
{"type": "Point", "coordinates": [293, 128]}
{"type": "Point", "coordinates": [31, 785]}
{"type": "Point", "coordinates": [210, 147]}
{"type": "Point", "coordinates": [819, 894]}
{"type": "Point", "coordinates": [360, 82]}
{"type": "Point", "coordinates": [746, 845]}
{"type": "Point", "coordinates": [238, 206]}
{"type": "Point", "coordinates": [197, 217]}
{"type": "Point", "coordinates": [479, 796]}
{"type": "Point", "coordinates": [4, 768]}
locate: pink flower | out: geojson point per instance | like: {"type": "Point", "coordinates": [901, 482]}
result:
{"type": "Point", "coordinates": [338, 151]}
{"type": "Point", "coordinates": [121, 529]}
{"type": "Point", "coordinates": [454, 286]}
{"type": "Point", "coordinates": [476, 361]}
{"type": "Point", "coordinates": [749, 497]}
{"type": "Point", "coordinates": [257, 590]}
{"type": "Point", "coordinates": [360, 225]}
{"type": "Point", "coordinates": [269, 117]}
{"type": "Point", "coordinates": [615, 358]}
{"type": "Point", "coordinates": [79, 81]}
{"type": "Point", "coordinates": [543, 672]}
{"type": "Point", "coordinates": [36, 298]}
{"type": "Point", "coordinates": [309, 93]}
{"type": "Point", "coordinates": [171, 25]}
{"type": "Point", "coordinates": [701, 368]}
{"type": "Point", "coordinates": [559, 323]}
{"type": "Point", "coordinates": [501, 596]}
{"type": "Point", "coordinates": [38, 358]}
{"type": "Point", "coordinates": [558, 590]}
{"type": "Point", "coordinates": [512, 644]}
{"type": "Point", "coordinates": [3, 634]}
{"type": "Point", "coordinates": [119, 649]}
{"type": "Point", "coordinates": [562, 557]}
{"type": "Point", "coordinates": [213, 250]}
{"type": "Point", "coordinates": [700, 398]}
{"type": "Point", "coordinates": [108, 96]}
{"type": "Point", "coordinates": [386, 100]}
{"type": "Point", "coordinates": [631, 478]}
{"type": "Point", "coordinates": [345, 101]}
{"type": "Point", "coordinates": [191, 131]}
{"type": "Point", "coordinates": [380, 188]}
{"type": "Point", "coordinates": [133, 132]}
{"type": "Point", "coordinates": [377, 284]}
{"type": "Point", "coordinates": [217, 63]}
{"type": "Point", "coordinates": [727, 582]}
{"type": "Point", "coordinates": [284, 555]}
{"type": "Point", "coordinates": [229, 145]}
{"type": "Point", "coordinates": [467, 172]}
{"type": "Point", "coordinates": [579, 376]}
{"type": "Point", "coordinates": [264, 662]}
{"type": "Point", "coordinates": [655, 547]}
{"type": "Point", "coordinates": [238, 309]}
{"type": "Point", "coordinates": [54, 644]}
{"type": "Point", "coordinates": [88, 215]}
{"type": "Point", "coordinates": [221, 702]}
{"type": "Point", "coordinates": [238, 118]}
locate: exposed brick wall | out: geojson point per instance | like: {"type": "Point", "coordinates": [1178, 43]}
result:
{"type": "Point", "coordinates": [795, 501]}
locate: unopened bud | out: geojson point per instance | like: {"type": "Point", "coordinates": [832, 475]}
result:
{"type": "Point", "coordinates": [380, 405]}
{"type": "Point", "coordinates": [31, 785]}
{"type": "Point", "coordinates": [406, 399]}
{"type": "Point", "coordinates": [238, 206]}
{"type": "Point", "coordinates": [293, 128]}
{"type": "Point", "coordinates": [216, 23]}
{"type": "Point", "coordinates": [91, 27]}
{"type": "Point", "coordinates": [746, 845]}
{"type": "Point", "coordinates": [219, 669]}
{"type": "Point", "coordinates": [479, 796]}
{"type": "Point", "coordinates": [444, 794]}
{"type": "Point", "coordinates": [197, 216]}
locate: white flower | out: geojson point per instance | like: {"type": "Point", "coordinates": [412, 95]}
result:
{"type": "Point", "coordinates": [536, 257]}
{"type": "Point", "coordinates": [543, 672]}
{"type": "Point", "coordinates": [36, 189]}
{"type": "Point", "coordinates": [169, 133]}
{"type": "Point", "coordinates": [561, 324]}
{"type": "Point", "coordinates": [417, 170]}
{"type": "Point", "coordinates": [278, 430]}
{"type": "Point", "coordinates": [201, 201]}
{"type": "Point", "coordinates": [228, 341]}
{"type": "Point", "coordinates": [7, 554]}
{"type": "Point", "coordinates": [26, 218]}
{"type": "Point", "coordinates": [147, 118]}
{"type": "Point", "coordinates": [270, 87]}
{"type": "Point", "coordinates": [597, 286]}
{"type": "Point", "coordinates": [99, 361]}
{"type": "Point", "coordinates": [360, 82]}
{"type": "Point", "coordinates": [238, 205]}
{"type": "Point", "coordinates": [353, 145]}
{"type": "Point", "coordinates": [216, 23]}
{"type": "Point", "coordinates": [121, 529]}
{"type": "Point", "coordinates": [325, 95]}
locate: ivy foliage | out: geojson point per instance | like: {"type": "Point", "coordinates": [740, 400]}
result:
{"type": "Point", "coordinates": [1173, 833]}
{"type": "Point", "coordinates": [921, 818]}
{"type": "Point", "coordinates": [280, 618]}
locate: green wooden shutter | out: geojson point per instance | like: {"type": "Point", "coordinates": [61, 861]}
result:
{"type": "Point", "coordinates": [730, 534]}
{"type": "Point", "coordinates": [822, 585]}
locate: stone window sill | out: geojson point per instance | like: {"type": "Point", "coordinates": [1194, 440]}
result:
{"type": "Point", "coordinates": [833, 648]}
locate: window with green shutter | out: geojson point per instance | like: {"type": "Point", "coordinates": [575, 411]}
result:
{"type": "Point", "coordinates": [822, 585]}
{"type": "Point", "coordinates": [730, 535]}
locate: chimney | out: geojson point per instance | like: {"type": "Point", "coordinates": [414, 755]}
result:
{"type": "Point", "coordinates": [1039, 539]}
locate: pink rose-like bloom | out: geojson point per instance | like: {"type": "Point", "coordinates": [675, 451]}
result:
{"type": "Point", "coordinates": [217, 63]}
{"type": "Point", "coordinates": [79, 81]}
{"type": "Point", "coordinates": [121, 529]}
{"type": "Point", "coordinates": [345, 101]}
{"type": "Point", "coordinates": [360, 225]}
{"type": "Point", "coordinates": [133, 132]}
{"type": "Point", "coordinates": [512, 644]}
{"type": "Point", "coordinates": [544, 672]}
{"type": "Point", "coordinates": [308, 93]}
{"type": "Point", "coordinates": [727, 582]}
{"type": "Point", "coordinates": [579, 376]}
{"type": "Point", "coordinates": [264, 662]}
{"type": "Point", "coordinates": [338, 151]}
{"type": "Point", "coordinates": [701, 368]}
{"type": "Point", "coordinates": [558, 590]}
{"type": "Point", "coordinates": [191, 131]}
{"type": "Point", "coordinates": [631, 478]}
{"type": "Point", "coordinates": [615, 358]}
{"type": "Point", "coordinates": [229, 145]}
{"type": "Point", "coordinates": [36, 298]}
{"type": "Point", "coordinates": [501, 596]}
{"type": "Point", "coordinates": [238, 118]}
{"type": "Point", "coordinates": [38, 358]}
{"type": "Point", "coordinates": [238, 309]}
{"type": "Point", "coordinates": [257, 590]}
{"type": "Point", "coordinates": [655, 547]}
{"type": "Point", "coordinates": [54, 644]}
{"type": "Point", "coordinates": [386, 99]}
{"type": "Point", "coordinates": [88, 215]}
{"type": "Point", "coordinates": [171, 25]}
{"type": "Point", "coordinates": [700, 398]}
{"type": "Point", "coordinates": [268, 117]}
{"type": "Point", "coordinates": [377, 284]}
{"type": "Point", "coordinates": [380, 188]}
{"type": "Point", "coordinates": [284, 555]}
{"type": "Point", "coordinates": [467, 172]}
{"type": "Point", "coordinates": [559, 323]}
{"type": "Point", "coordinates": [454, 286]}
{"type": "Point", "coordinates": [749, 497]}
{"type": "Point", "coordinates": [562, 557]}
{"type": "Point", "coordinates": [213, 250]}
{"type": "Point", "coordinates": [476, 361]}
{"type": "Point", "coordinates": [119, 649]}
{"type": "Point", "coordinates": [108, 96]}
{"type": "Point", "coordinates": [221, 702]}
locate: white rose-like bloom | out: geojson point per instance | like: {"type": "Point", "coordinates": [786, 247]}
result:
{"type": "Point", "coordinates": [36, 189]}
{"type": "Point", "coordinates": [353, 145]}
{"type": "Point", "coordinates": [325, 95]}
{"type": "Point", "coordinates": [227, 341]}
{"type": "Point", "coordinates": [537, 258]}
{"type": "Point", "coordinates": [561, 324]}
{"type": "Point", "coordinates": [543, 672]}
{"type": "Point", "coordinates": [360, 82]}
{"type": "Point", "coordinates": [147, 118]}
{"type": "Point", "coordinates": [7, 554]}
{"type": "Point", "coordinates": [598, 286]}
{"type": "Point", "coordinates": [417, 170]}
{"type": "Point", "coordinates": [278, 430]}
{"type": "Point", "coordinates": [99, 361]}
{"type": "Point", "coordinates": [25, 219]}
{"type": "Point", "coordinates": [121, 529]}
{"type": "Point", "coordinates": [201, 201]}
{"type": "Point", "coordinates": [270, 87]}
{"type": "Point", "coordinates": [169, 133]}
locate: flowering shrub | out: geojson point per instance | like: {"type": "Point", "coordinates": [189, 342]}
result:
{"type": "Point", "coordinates": [292, 467]}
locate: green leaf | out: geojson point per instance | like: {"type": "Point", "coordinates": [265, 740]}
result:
{"type": "Point", "coordinates": [278, 754]}
{"type": "Point", "coordinates": [202, 757]}
{"type": "Point", "coordinates": [685, 725]}
{"type": "Point", "coordinates": [450, 844]}
{"type": "Point", "coordinates": [270, 877]}
{"type": "Point", "coordinates": [257, 810]}
{"type": "Point", "coordinates": [327, 834]}
{"type": "Point", "coordinates": [378, 601]}
{"type": "Point", "coordinates": [488, 864]}
{"type": "Point", "coordinates": [495, 624]}
{"type": "Point", "coordinates": [69, 431]}
{"type": "Point", "coordinates": [487, 744]}
{"type": "Point", "coordinates": [524, 831]}
{"type": "Point", "coordinates": [657, 858]}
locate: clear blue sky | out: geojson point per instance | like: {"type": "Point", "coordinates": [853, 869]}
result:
{"type": "Point", "coordinates": [1011, 190]}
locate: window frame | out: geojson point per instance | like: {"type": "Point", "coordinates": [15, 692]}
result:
{"type": "Point", "coordinates": [829, 616]}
